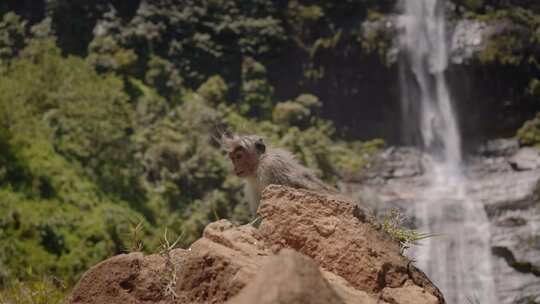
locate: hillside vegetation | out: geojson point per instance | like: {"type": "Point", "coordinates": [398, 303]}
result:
{"type": "Point", "coordinates": [104, 149]}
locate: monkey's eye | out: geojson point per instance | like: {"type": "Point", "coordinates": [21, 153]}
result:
{"type": "Point", "coordinates": [261, 148]}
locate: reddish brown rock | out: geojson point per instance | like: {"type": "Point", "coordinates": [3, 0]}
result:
{"type": "Point", "coordinates": [111, 279]}
{"type": "Point", "coordinates": [340, 258]}
{"type": "Point", "coordinates": [288, 278]}
{"type": "Point", "coordinates": [408, 294]}
{"type": "Point", "coordinates": [351, 248]}
{"type": "Point", "coordinates": [214, 269]}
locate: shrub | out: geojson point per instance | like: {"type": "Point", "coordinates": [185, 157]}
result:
{"type": "Point", "coordinates": [529, 133]}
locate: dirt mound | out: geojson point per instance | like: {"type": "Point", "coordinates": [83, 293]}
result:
{"type": "Point", "coordinates": [309, 248]}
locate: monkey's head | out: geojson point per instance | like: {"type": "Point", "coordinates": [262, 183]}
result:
{"type": "Point", "coordinates": [244, 152]}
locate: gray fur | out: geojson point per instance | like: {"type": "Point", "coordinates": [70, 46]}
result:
{"type": "Point", "coordinates": [233, 141]}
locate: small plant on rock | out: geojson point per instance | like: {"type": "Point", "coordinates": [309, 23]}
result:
{"type": "Point", "coordinates": [135, 232]}
{"type": "Point", "coordinates": [166, 247]}
{"type": "Point", "coordinates": [392, 224]}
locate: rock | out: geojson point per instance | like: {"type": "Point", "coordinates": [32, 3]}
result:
{"type": "Point", "coordinates": [347, 292]}
{"type": "Point", "coordinates": [468, 39]}
{"type": "Point", "coordinates": [524, 159]}
{"type": "Point", "coordinates": [356, 250]}
{"type": "Point", "coordinates": [394, 163]}
{"type": "Point", "coordinates": [288, 277]}
{"type": "Point", "coordinates": [515, 287]}
{"type": "Point", "coordinates": [309, 248]}
{"type": "Point", "coordinates": [499, 147]}
{"type": "Point", "coordinates": [516, 239]}
{"type": "Point", "coordinates": [111, 278]}
{"type": "Point", "coordinates": [511, 221]}
{"type": "Point", "coordinates": [216, 267]}
{"type": "Point", "coordinates": [408, 294]}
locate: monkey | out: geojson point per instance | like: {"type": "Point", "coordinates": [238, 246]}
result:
{"type": "Point", "coordinates": [260, 166]}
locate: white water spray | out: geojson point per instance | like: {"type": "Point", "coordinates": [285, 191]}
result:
{"type": "Point", "coordinates": [459, 260]}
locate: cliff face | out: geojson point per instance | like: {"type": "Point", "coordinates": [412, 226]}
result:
{"type": "Point", "coordinates": [502, 180]}
{"type": "Point", "coordinates": [309, 248]}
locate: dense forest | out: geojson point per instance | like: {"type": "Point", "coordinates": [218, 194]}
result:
{"type": "Point", "coordinates": [109, 111]}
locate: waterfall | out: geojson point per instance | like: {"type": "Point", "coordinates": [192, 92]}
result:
{"type": "Point", "coordinates": [459, 259]}
{"type": "Point", "coordinates": [423, 82]}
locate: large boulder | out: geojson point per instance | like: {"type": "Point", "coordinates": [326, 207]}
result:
{"type": "Point", "coordinates": [288, 278]}
{"type": "Point", "coordinates": [309, 248]}
{"type": "Point", "coordinates": [527, 158]}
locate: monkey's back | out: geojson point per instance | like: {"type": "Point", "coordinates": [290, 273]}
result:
{"type": "Point", "coordinates": [280, 167]}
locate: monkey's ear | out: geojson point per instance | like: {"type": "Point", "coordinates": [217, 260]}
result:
{"type": "Point", "coordinates": [226, 141]}
{"type": "Point", "coordinates": [260, 146]}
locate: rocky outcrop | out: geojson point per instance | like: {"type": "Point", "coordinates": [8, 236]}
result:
{"type": "Point", "coordinates": [309, 248]}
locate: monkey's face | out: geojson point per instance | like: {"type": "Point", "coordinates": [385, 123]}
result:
{"type": "Point", "coordinates": [244, 162]}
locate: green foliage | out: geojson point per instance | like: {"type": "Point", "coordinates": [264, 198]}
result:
{"type": "Point", "coordinates": [529, 133]}
{"type": "Point", "coordinates": [12, 35]}
{"type": "Point", "coordinates": [198, 36]}
{"type": "Point", "coordinates": [503, 49]}
{"type": "Point", "coordinates": [47, 237]}
{"type": "Point", "coordinates": [290, 113]}
{"type": "Point", "coordinates": [473, 4]}
{"type": "Point", "coordinates": [86, 115]}
{"type": "Point", "coordinates": [162, 75]}
{"type": "Point", "coordinates": [514, 45]}
{"type": "Point", "coordinates": [214, 90]}
{"type": "Point", "coordinates": [100, 155]}
{"type": "Point", "coordinates": [58, 133]}
{"type": "Point", "coordinates": [483, 6]}
{"type": "Point", "coordinates": [377, 40]}
{"type": "Point", "coordinates": [42, 291]}
{"type": "Point", "coordinates": [149, 105]}
{"type": "Point", "coordinates": [300, 112]}
{"type": "Point", "coordinates": [534, 88]}
{"type": "Point", "coordinates": [256, 92]}
{"type": "Point", "coordinates": [107, 55]}
{"type": "Point", "coordinates": [350, 158]}
{"type": "Point", "coordinates": [392, 224]}
{"type": "Point", "coordinates": [305, 13]}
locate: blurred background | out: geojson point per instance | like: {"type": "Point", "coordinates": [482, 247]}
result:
{"type": "Point", "coordinates": [109, 110]}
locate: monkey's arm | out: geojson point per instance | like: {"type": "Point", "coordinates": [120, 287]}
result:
{"type": "Point", "coordinates": [253, 196]}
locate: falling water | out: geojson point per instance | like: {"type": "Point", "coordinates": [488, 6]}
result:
{"type": "Point", "coordinates": [459, 259]}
